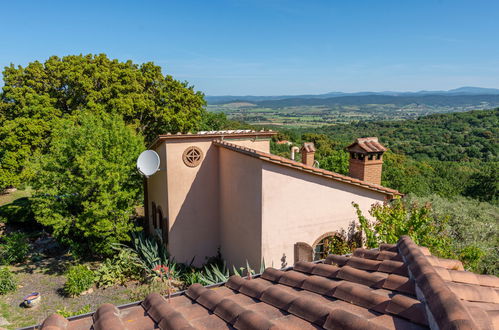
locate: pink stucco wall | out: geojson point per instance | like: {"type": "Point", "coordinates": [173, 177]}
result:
{"type": "Point", "coordinates": [241, 208]}
{"type": "Point", "coordinates": [249, 208]}
{"type": "Point", "coordinates": [299, 207]}
{"type": "Point", "coordinates": [189, 197]}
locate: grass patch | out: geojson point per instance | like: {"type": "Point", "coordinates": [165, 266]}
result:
{"type": "Point", "coordinates": [11, 197]}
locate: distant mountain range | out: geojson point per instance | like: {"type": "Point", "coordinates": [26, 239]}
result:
{"type": "Point", "coordinates": [352, 97]}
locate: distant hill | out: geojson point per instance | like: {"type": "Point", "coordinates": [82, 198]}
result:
{"type": "Point", "coordinates": [447, 137]}
{"type": "Point", "coordinates": [451, 100]}
{"type": "Point", "coordinates": [462, 91]}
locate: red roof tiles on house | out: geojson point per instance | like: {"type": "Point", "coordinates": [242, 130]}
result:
{"type": "Point", "coordinates": [341, 292]}
{"type": "Point", "coordinates": [368, 144]}
{"type": "Point", "coordinates": [302, 167]}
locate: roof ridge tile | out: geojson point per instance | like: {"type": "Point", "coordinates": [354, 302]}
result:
{"type": "Point", "coordinates": [297, 165]}
{"type": "Point", "coordinates": [444, 309]}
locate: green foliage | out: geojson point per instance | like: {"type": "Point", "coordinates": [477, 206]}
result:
{"type": "Point", "coordinates": [8, 282]}
{"type": "Point", "coordinates": [336, 161]}
{"type": "Point", "coordinates": [462, 136]}
{"type": "Point", "coordinates": [67, 313]}
{"type": "Point", "coordinates": [141, 292]}
{"type": "Point", "coordinates": [119, 269]}
{"type": "Point", "coordinates": [87, 183]}
{"type": "Point", "coordinates": [14, 249]}
{"type": "Point", "coordinates": [340, 244]}
{"type": "Point", "coordinates": [473, 227]}
{"type": "Point", "coordinates": [19, 211]}
{"type": "Point", "coordinates": [392, 220]}
{"type": "Point", "coordinates": [191, 276]}
{"type": "Point", "coordinates": [460, 228]}
{"type": "Point", "coordinates": [283, 150]}
{"type": "Point", "coordinates": [78, 279]}
{"type": "Point", "coordinates": [485, 183]}
{"type": "Point", "coordinates": [427, 155]}
{"type": "Point", "coordinates": [152, 253]}
{"type": "Point", "coordinates": [216, 273]}
{"type": "Point", "coordinates": [36, 96]}
{"type": "Point", "coordinates": [213, 274]}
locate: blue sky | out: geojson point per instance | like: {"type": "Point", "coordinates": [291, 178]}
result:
{"type": "Point", "coordinates": [271, 47]}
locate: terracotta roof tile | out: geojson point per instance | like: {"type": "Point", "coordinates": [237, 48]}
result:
{"type": "Point", "coordinates": [368, 144]}
{"type": "Point", "coordinates": [388, 247]}
{"type": "Point", "coordinates": [377, 254]}
{"type": "Point", "coordinates": [373, 289]}
{"type": "Point", "coordinates": [409, 308]}
{"type": "Point", "coordinates": [474, 292]}
{"type": "Point", "coordinates": [300, 166]}
{"type": "Point", "coordinates": [308, 147]}
{"type": "Point", "coordinates": [342, 319]}
{"type": "Point", "coordinates": [108, 317]}
{"type": "Point", "coordinates": [55, 322]}
{"type": "Point", "coordinates": [293, 278]}
{"type": "Point", "coordinates": [446, 310]}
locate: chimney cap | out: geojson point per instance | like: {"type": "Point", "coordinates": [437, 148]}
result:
{"type": "Point", "coordinates": [308, 147]}
{"type": "Point", "coordinates": [367, 144]}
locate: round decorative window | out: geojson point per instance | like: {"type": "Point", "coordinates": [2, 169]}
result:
{"type": "Point", "coordinates": [192, 156]}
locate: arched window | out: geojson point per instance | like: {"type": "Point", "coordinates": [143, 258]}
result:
{"type": "Point", "coordinates": [163, 225]}
{"type": "Point", "coordinates": [330, 243]}
{"type": "Point", "coordinates": [152, 222]}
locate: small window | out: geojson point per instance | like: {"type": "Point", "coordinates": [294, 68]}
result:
{"type": "Point", "coordinates": [192, 156]}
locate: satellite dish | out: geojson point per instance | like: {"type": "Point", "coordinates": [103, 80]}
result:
{"type": "Point", "coordinates": [148, 163]}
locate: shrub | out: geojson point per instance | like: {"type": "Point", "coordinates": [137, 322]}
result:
{"type": "Point", "coordinates": [142, 291]}
{"type": "Point", "coordinates": [87, 184]}
{"type": "Point", "coordinates": [473, 227]}
{"type": "Point", "coordinates": [340, 244]}
{"type": "Point", "coordinates": [397, 218]}
{"type": "Point", "coordinates": [18, 211]}
{"type": "Point", "coordinates": [67, 313]}
{"type": "Point", "coordinates": [78, 279]}
{"type": "Point", "coordinates": [152, 253]}
{"type": "Point", "coordinates": [7, 281]}
{"type": "Point", "coordinates": [459, 227]}
{"type": "Point", "coordinates": [119, 269]}
{"type": "Point", "coordinates": [15, 249]}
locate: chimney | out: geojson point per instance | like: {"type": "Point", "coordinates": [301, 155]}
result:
{"type": "Point", "coordinates": [366, 159]}
{"type": "Point", "coordinates": [307, 153]}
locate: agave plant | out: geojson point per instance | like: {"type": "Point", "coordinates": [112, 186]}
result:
{"type": "Point", "coordinates": [153, 254]}
{"type": "Point", "coordinates": [214, 273]}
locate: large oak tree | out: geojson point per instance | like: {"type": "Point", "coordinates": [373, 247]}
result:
{"type": "Point", "coordinates": [36, 96]}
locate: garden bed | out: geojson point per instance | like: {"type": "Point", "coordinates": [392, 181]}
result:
{"type": "Point", "coordinates": [47, 278]}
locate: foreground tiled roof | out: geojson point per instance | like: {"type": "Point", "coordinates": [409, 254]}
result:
{"type": "Point", "coordinates": [394, 287]}
{"type": "Point", "coordinates": [368, 144]}
{"type": "Point", "coordinates": [302, 167]}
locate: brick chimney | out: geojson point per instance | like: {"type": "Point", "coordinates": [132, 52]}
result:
{"type": "Point", "coordinates": [366, 159]}
{"type": "Point", "coordinates": [307, 153]}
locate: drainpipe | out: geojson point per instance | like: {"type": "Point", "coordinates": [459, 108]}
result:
{"type": "Point", "coordinates": [293, 150]}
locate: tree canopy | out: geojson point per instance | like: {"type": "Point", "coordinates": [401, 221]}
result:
{"type": "Point", "coordinates": [36, 96]}
{"type": "Point", "coordinates": [87, 185]}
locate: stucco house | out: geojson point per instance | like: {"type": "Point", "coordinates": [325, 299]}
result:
{"type": "Point", "coordinates": [224, 191]}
